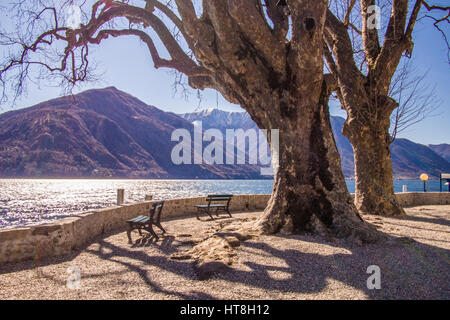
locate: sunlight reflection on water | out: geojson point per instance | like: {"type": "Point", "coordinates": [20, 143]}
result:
{"type": "Point", "coordinates": [33, 201]}
{"type": "Point", "coordinates": [29, 201]}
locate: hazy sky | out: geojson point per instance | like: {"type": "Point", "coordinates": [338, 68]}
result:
{"type": "Point", "coordinates": [127, 65]}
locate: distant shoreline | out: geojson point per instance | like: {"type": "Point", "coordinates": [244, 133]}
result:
{"type": "Point", "coordinates": [133, 179]}
{"type": "Point", "coordinates": [173, 179]}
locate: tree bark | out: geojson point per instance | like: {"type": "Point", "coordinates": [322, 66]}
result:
{"type": "Point", "coordinates": [365, 98]}
{"type": "Point", "coordinates": [374, 189]}
{"type": "Point", "coordinates": [279, 80]}
{"type": "Point", "coordinates": [309, 192]}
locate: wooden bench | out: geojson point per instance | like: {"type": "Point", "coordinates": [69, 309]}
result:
{"type": "Point", "coordinates": [146, 222]}
{"type": "Point", "coordinates": [219, 207]}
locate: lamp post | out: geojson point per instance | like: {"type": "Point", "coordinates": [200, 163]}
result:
{"type": "Point", "coordinates": [424, 178]}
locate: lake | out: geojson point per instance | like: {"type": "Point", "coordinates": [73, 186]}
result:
{"type": "Point", "coordinates": [32, 201]}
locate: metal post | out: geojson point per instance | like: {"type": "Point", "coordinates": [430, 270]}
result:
{"type": "Point", "coordinates": [424, 186]}
{"type": "Point", "coordinates": [120, 196]}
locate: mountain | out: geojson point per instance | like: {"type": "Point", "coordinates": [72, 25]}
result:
{"type": "Point", "coordinates": [109, 133]}
{"type": "Point", "coordinates": [222, 120]}
{"type": "Point", "coordinates": [344, 147]}
{"type": "Point", "coordinates": [441, 149]}
{"type": "Point", "coordinates": [409, 159]}
{"type": "Point", "coordinates": [103, 133]}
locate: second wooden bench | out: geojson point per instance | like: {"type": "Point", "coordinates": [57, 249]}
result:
{"type": "Point", "coordinates": [212, 205]}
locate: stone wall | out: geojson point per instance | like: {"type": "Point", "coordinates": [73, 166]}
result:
{"type": "Point", "coordinates": [183, 207]}
{"type": "Point", "coordinates": [410, 199]}
{"type": "Point", "coordinates": [63, 236]}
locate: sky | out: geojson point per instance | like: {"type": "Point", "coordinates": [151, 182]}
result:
{"type": "Point", "coordinates": [126, 64]}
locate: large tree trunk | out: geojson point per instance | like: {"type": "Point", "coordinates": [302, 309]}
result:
{"type": "Point", "coordinates": [374, 189]}
{"type": "Point", "coordinates": [365, 97]}
{"type": "Point", "coordinates": [309, 192]}
{"type": "Point", "coordinates": [282, 86]}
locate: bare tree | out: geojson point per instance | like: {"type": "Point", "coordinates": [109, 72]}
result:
{"type": "Point", "coordinates": [363, 58]}
{"type": "Point", "coordinates": [415, 96]}
{"type": "Point", "coordinates": [440, 15]}
{"type": "Point", "coordinates": [263, 55]}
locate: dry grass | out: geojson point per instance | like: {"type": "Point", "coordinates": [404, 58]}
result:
{"type": "Point", "coordinates": [414, 264]}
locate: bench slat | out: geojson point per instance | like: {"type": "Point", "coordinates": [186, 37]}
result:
{"type": "Point", "coordinates": [139, 219]}
{"type": "Point", "coordinates": [135, 219]}
{"type": "Point", "coordinates": [220, 195]}
{"type": "Point", "coordinates": [211, 206]}
{"type": "Point", "coordinates": [145, 220]}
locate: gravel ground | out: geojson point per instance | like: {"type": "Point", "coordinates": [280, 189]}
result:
{"type": "Point", "coordinates": [414, 263]}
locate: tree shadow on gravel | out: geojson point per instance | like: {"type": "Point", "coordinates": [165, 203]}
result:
{"type": "Point", "coordinates": [180, 268]}
{"type": "Point", "coordinates": [409, 269]}
{"type": "Point", "coordinates": [433, 219]}
{"type": "Point", "coordinates": [390, 223]}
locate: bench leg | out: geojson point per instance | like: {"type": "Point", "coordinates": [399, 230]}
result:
{"type": "Point", "coordinates": [152, 232]}
{"type": "Point", "coordinates": [129, 234]}
{"type": "Point", "coordinates": [209, 214]}
{"type": "Point", "coordinates": [161, 227]}
{"type": "Point", "coordinates": [228, 210]}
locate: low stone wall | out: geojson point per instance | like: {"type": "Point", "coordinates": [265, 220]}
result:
{"type": "Point", "coordinates": [184, 207]}
{"type": "Point", "coordinates": [411, 199]}
{"type": "Point", "coordinates": [63, 236]}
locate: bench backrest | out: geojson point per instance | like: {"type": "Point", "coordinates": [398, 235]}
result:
{"type": "Point", "coordinates": [156, 207]}
{"type": "Point", "coordinates": [219, 197]}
